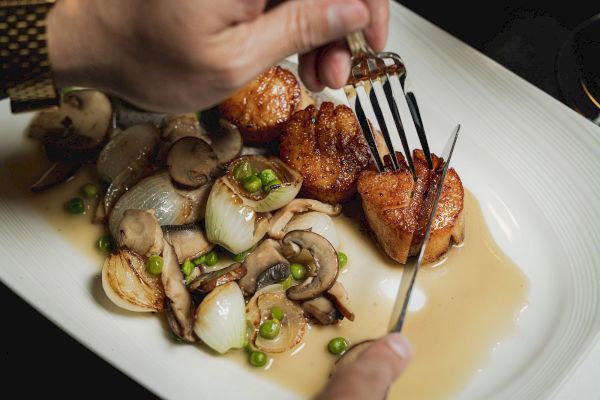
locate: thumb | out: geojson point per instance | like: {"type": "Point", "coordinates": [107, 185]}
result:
{"type": "Point", "coordinates": [302, 25]}
{"type": "Point", "coordinates": [373, 371]}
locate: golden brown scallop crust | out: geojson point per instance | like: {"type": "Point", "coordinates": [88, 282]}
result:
{"type": "Point", "coordinates": [259, 109]}
{"type": "Point", "coordinates": [397, 209]}
{"type": "Point", "coordinates": [327, 148]}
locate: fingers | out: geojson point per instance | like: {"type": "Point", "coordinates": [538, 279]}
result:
{"type": "Point", "coordinates": [307, 69]}
{"type": "Point", "coordinates": [303, 25]}
{"type": "Point", "coordinates": [333, 65]}
{"type": "Point", "coordinates": [370, 376]}
{"type": "Point", "coordinates": [238, 10]}
{"type": "Point", "coordinates": [377, 31]}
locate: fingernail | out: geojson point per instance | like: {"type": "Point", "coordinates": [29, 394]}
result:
{"type": "Point", "coordinates": [400, 345]}
{"type": "Point", "coordinates": [346, 17]}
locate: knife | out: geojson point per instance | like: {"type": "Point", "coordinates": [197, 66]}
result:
{"type": "Point", "coordinates": [409, 274]}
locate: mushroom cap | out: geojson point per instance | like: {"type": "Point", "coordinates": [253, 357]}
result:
{"type": "Point", "coordinates": [207, 282]}
{"type": "Point", "coordinates": [266, 256]}
{"type": "Point", "coordinates": [191, 162]}
{"type": "Point", "coordinates": [77, 129]}
{"type": "Point", "coordinates": [226, 141]}
{"type": "Point", "coordinates": [139, 231]}
{"type": "Point", "coordinates": [326, 264]}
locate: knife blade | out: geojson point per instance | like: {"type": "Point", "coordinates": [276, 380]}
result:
{"type": "Point", "coordinates": [409, 274]}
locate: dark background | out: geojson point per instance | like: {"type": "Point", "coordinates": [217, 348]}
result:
{"type": "Point", "coordinates": [524, 37]}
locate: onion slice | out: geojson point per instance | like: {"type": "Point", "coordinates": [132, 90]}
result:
{"type": "Point", "coordinates": [275, 198]}
{"type": "Point", "coordinates": [230, 222]}
{"type": "Point", "coordinates": [293, 325]}
{"type": "Point", "coordinates": [221, 318]}
{"type": "Point", "coordinates": [127, 283]}
{"type": "Point", "coordinates": [316, 222]}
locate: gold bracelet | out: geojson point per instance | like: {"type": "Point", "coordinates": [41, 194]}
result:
{"type": "Point", "coordinates": [26, 75]}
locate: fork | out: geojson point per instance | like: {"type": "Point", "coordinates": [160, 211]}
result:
{"type": "Point", "coordinates": [377, 91]}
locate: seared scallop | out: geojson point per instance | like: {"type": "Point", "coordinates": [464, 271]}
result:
{"type": "Point", "coordinates": [397, 208]}
{"type": "Point", "coordinates": [327, 148]}
{"type": "Point", "coordinates": [260, 108]}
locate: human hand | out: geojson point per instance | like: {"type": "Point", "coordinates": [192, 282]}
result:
{"type": "Point", "coordinates": [187, 55]}
{"type": "Point", "coordinates": [370, 376]}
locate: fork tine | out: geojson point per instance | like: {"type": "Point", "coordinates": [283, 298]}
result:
{"type": "Point", "coordinates": [378, 99]}
{"type": "Point", "coordinates": [389, 93]}
{"type": "Point", "coordinates": [357, 96]}
{"type": "Point", "coordinates": [414, 110]}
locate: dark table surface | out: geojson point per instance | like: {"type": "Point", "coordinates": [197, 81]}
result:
{"type": "Point", "coordinates": [525, 38]}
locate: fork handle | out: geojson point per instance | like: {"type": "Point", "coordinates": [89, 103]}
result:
{"type": "Point", "coordinates": [358, 44]}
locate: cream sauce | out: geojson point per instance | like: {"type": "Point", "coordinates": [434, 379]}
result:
{"type": "Point", "coordinates": [462, 306]}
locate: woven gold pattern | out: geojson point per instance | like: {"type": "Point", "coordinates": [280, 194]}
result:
{"type": "Point", "coordinates": [26, 74]}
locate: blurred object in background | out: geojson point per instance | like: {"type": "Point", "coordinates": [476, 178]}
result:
{"type": "Point", "coordinates": [526, 36]}
{"type": "Point", "coordinates": [578, 69]}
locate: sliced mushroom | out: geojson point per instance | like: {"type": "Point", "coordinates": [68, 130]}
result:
{"type": "Point", "coordinates": [338, 295]}
{"type": "Point", "coordinates": [293, 324]}
{"type": "Point", "coordinates": [175, 127]}
{"type": "Point", "coordinates": [127, 283]}
{"type": "Point", "coordinates": [180, 310]}
{"type": "Point", "coordinates": [207, 282]}
{"type": "Point", "coordinates": [273, 274]}
{"type": "Point", "coordinates": [72, 134]}
{"type": "Point", "coordinates": [187, 240]}
{"type": "Point", "coordinates": [267, 255]}
{"type": "Point", "coordinates": [322, 310]}
{"type": "Point", "coordinates": [191, 162]}
{"type": "Point", "coordinates": [283, 216]}
{"type": "Point", "coordinates": [325, 260]}
{"type": "Point", "coordinates": [139, 231]}
{"type": "Point", "coordinates": [58, 172]}
{"type": "Point", "coordinates": [77, 129]}
{"type": "Point", "coordinates": [226, 142]}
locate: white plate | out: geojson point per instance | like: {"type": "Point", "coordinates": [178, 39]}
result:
{"type": "Point", "coordinates": [529, 160]}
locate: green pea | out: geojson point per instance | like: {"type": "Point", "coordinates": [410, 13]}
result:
{"type": "Point", "coordinates": [105, 244]}
{"type": "Point", "coordinates": [212, 258]}
{"type": "Point", "coordinates": [252, 184]}
{"type": "Point", "coordinates": [76, 206]}
{"type": "Point", "coordinates": [89, 190]}
{"type": "Point", "coordinates": [337, 346]}
{"type": "Point", "coordinates": [287, 283]}
{"type": "Point", "coordinates": [240, 257]}
{"type": "Point", "coordinates": [266, 176]}
{"type": "Point", "coordinates": [187, 268]}
{"type": "Point", "coordinates": [277, 313]}
{"type": "Point", "coordinates": [270, 185]}
{"type": "Point", "coordinates": [247, 346]}
{"type": "Point", "coordinates": [154, 264]}
{"type": "Point", "coordinates": [242, 170]}
{"type": "Point", "coordinates": [342, 259]}
{"type": "Point", "coordinates": [258, 359]}
{"type": "Point", "coordinates": [269, 329]}
{"type": "Point", "coordinates": [199, 260]}
{"type": "Point", "coordinates": [298, 271]}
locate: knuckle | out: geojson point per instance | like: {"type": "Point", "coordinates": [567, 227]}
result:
{"type": "Point", "coordinates": [300, 32]}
